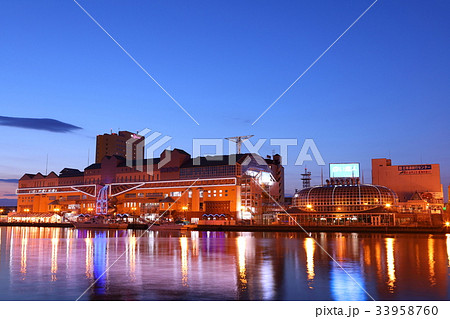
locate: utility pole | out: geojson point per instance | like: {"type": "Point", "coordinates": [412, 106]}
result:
{"type": "Point", "coordinates": [46, 165]}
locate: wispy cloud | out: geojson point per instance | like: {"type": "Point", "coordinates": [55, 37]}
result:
{"type": "Point", "coordinates": [8, 202]}
{"type": "Point", "coordinates": [10, 195]}
{"type": "Point", "coordinates": [9, 180]}
{"type": "Point", "coordinates": [43, 124]}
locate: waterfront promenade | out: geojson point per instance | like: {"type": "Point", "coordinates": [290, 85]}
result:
{"type": "Point", "coordinates": [273, 228]}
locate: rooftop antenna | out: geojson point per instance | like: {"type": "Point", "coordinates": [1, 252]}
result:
{"type": "Point", "coordinates": [362, 176]}
{"type": "Point", "coordinates": [46, 165]}
{"type": "Point", "coordinates": [306, 178]}
{"type": "Point", "coordinates": [89, 150]}
{"type": "Point", "coordinates": [238, 140]}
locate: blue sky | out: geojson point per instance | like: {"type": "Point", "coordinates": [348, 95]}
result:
{"type": "Point", "coordinates": [381, 91]}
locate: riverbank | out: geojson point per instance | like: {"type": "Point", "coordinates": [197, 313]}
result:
{"type": "Point", "coordinates": [314, 229]}
{"type": "Point", "coordinates": [274, 228]}
{"type": "Point", "coordinates": [60, 225]}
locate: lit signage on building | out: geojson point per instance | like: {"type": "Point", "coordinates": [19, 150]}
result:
{"type": "Point", "coordinates": [414, 169]}
{"type": "Point", "coordinates": [344, 170]}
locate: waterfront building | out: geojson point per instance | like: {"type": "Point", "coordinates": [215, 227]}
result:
{"type": "Point", "coordinates": [116, 144]}
{"type": "Point", "coordinates": [229, 187]}
{"type": "Point", "coordinates": [343, 202]}
{"type": "Point", "coordinates": [418, 187]}
{"type": "Point", "coordinates": [277, 168]}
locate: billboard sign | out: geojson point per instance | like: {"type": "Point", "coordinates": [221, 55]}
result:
{"type": "Point", "coordinates": [344, 170]}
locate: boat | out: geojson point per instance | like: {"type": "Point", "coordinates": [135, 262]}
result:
{"type": "Point", "coordinates": [99, 222]}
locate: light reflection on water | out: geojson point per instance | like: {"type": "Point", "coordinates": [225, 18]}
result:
{"type": "Point", "coordinates": [309, 248]}
{"type": "Point", "coordinates": [241, 244]}
{"type": "Point", "coordinates": [59, 264]}
{"type": "Point", "coordinates": [184, 260]}
{"type": "Point", "coordinates": [448, 248]}
{"type": "Point", "coordinates": [390, 261]}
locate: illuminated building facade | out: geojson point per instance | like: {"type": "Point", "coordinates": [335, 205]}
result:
{"type": "Point", "coordinates": [345, 198]}
{"type": "Point", "coordinates": [418, 187]}
{"type": "Point", "coordinates": [343, 202]}
{"type": "Point", "coordinates": [229, 187]}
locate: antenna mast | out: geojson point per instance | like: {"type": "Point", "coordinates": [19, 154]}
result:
{"type": "Point", "coordinates": [306, 178]}
{"type": "Point", "coordinates": [238, 140]}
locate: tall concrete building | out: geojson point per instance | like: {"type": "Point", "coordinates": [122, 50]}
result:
{"type": "Point", "coordinates": [277, 168]}
{"type": "Point", "coordinates": [116, 144]}
{"type": "Point", "coordinates": [418, 187]}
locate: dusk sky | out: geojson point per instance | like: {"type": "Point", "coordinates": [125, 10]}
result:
{"type": "Point", "coordinates": [381, 91]}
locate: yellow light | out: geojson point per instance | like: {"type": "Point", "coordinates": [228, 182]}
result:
{"type": "Point", "coordinates": [184, 207]}
{"type": "Point", "coordinates": [309, 206]}
{"type": "Point", "coordinates": [447, 224]}
{"type": "Point", "coordinates": [388, 205]}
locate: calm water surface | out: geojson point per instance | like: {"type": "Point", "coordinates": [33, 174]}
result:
{"type": "Point", "coordinates": [61, 264]}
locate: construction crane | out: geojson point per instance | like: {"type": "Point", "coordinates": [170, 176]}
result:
{"type": "Point", "coordinates": [238, 140]}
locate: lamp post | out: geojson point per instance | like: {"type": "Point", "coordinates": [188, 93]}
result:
{"type": "Point", "coordinates": [184, 208]}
